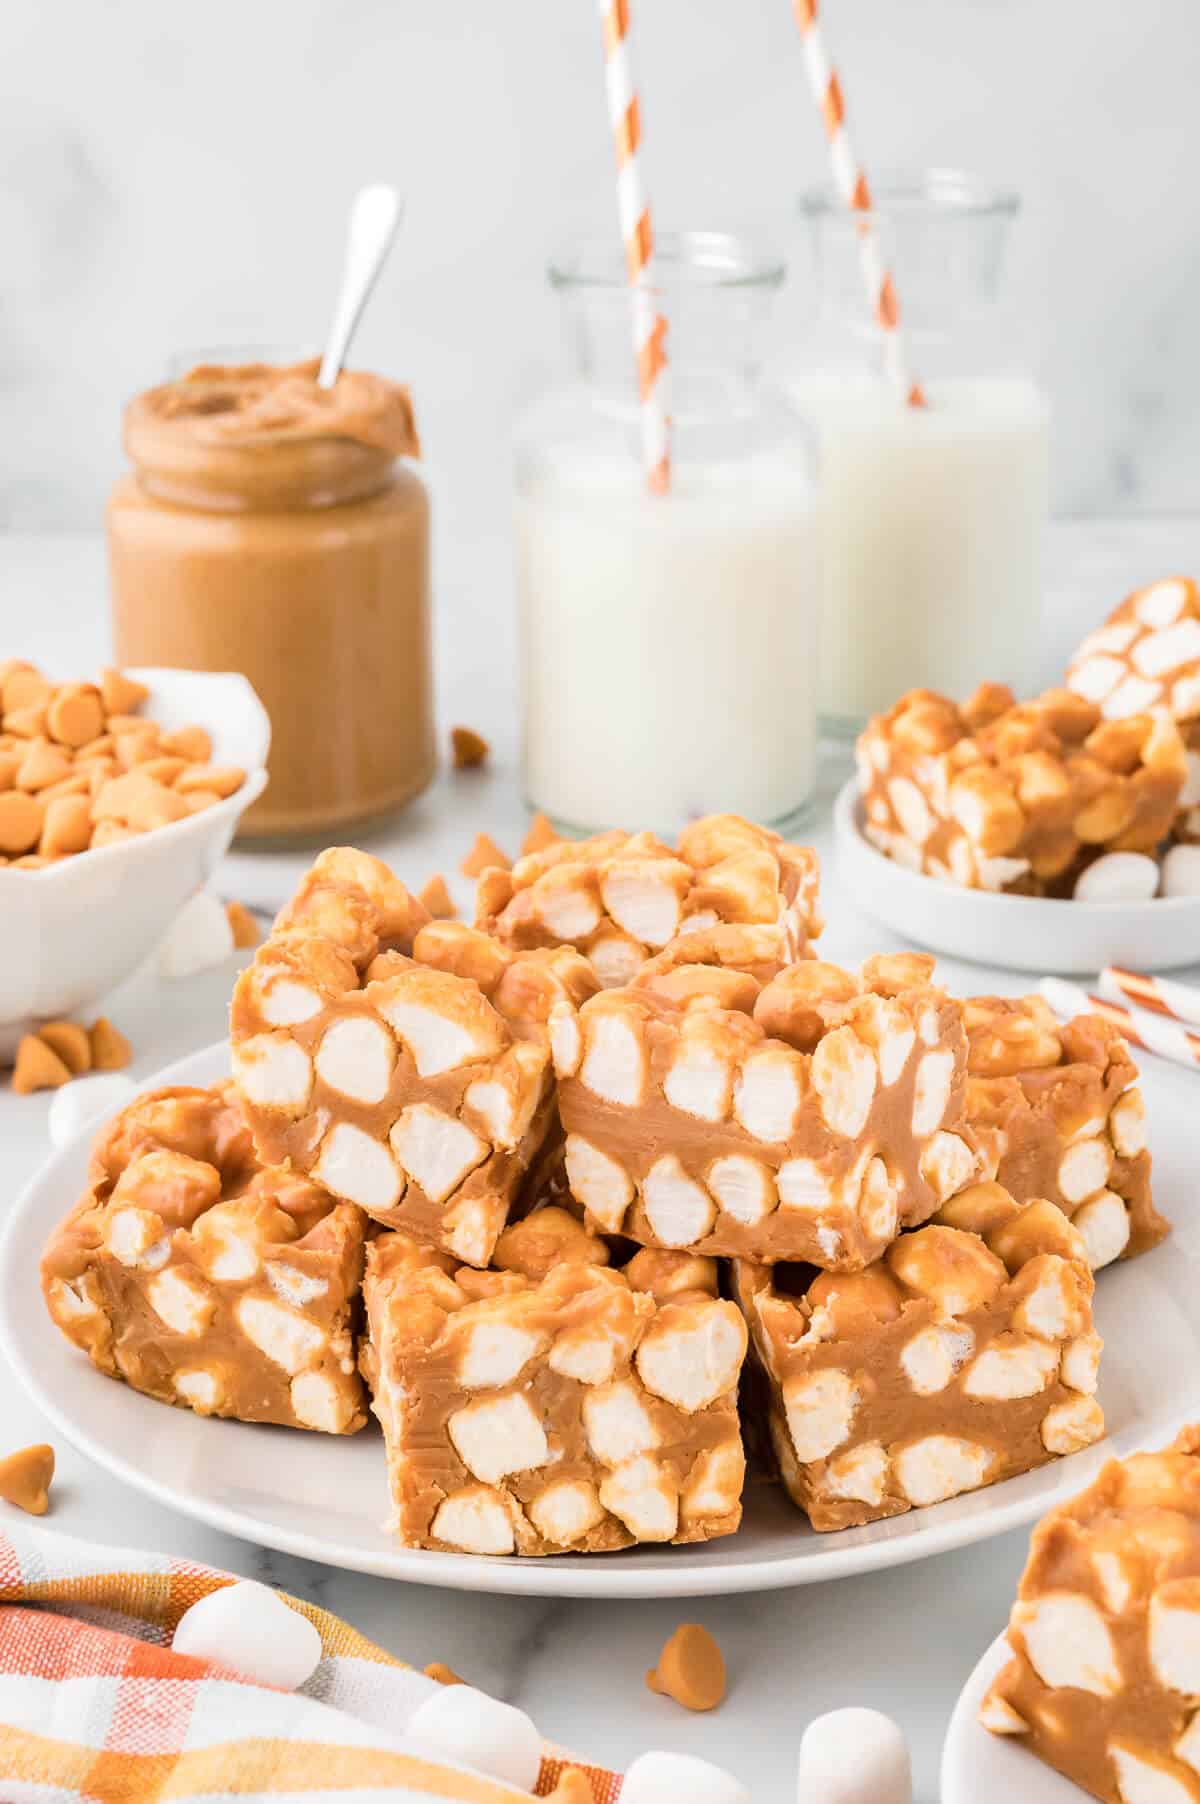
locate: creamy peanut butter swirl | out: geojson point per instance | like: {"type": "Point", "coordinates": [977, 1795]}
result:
{"type": "Point", "coordinates": [262, 403]}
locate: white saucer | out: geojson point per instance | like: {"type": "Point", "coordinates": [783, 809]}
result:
{"type": "Point", "coordinates": [980, 1768]}
{"type": "Point", "coordinates": [1024, 932]}
{"type": "Point", "coordinates": [324, 1497]}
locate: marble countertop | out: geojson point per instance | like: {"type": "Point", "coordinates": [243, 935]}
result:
{"type": "Point", "coordinates": [903, 1641]}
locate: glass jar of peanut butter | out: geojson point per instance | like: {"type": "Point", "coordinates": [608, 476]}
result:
{"type": "Point", "coordinates": [277, 528]}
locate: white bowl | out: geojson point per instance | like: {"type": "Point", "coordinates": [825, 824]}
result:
{"type": "Point", "coordinates": [72, 931]}
{"type": "Point", "coordinates": [1027, 933]}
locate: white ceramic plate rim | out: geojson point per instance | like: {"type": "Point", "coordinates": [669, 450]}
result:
{"type": "Point", "coordinates": [981, 1768]}
{"type": "Point", "coordinates": [848, 819]}
{"type": "Point", "coordinates": [975, 1516]}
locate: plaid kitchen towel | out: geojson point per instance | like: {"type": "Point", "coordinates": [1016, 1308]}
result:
{"type": "Point", "coordinates": [96, 1709]}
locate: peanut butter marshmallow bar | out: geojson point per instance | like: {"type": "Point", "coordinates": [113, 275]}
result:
{"type": "Point", "coordinates": [992, 795]}
{"type": "Point", "coordinates": [1104, 1681]}
{"type": "Point", "coordinates": [558, 1405]}
{"type": "Point", "coordinates": [965, 1356]}
{"type": "Point", "coordinates": [1146, 657]}
{"type": "Point", "coordinates": [620, 897]}
{"type": "Point", "coordinates": [808, 1117]}
{"type": "Point", "coordinates": [401, 1062]}
{"type": "Point", "coordinates": [205, 1280]}
{"type": "Point", "coordinates": [1055, 1112]}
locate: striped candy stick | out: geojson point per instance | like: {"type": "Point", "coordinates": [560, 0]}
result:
{"type": "Point", "coordinates": [1157, 995]}
{"type": "Point", "coordinates": [851, 183]}
{"type": "Point", "coordinates": [1169, 1039]}
{"type": "Point", "coordinates": [649, 326]}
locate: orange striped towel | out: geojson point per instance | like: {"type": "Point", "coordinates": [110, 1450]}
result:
{"type": "Point", "coordinates": [96, 1709]}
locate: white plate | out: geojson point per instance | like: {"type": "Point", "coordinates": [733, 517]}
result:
{"type": "Point", "coordinates": [978, 1768]}
{"type": "Point", "coordinates": [1026, 933]}
{"type": "Point", "coordinates": [324, 1498]}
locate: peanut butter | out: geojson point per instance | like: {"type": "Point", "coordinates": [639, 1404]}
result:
{"type": "Point", "coordinates": [273, 527]}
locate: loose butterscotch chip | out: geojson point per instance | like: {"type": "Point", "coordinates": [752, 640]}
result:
{"type": "Point", "coordinates": [485, 855]}
{"type": "Point", "coordinates": [42, 765]}
{"type": "Point", "coordinates": [26, 1476]}
{"type": "Point", "coordinates": [192, 743]}
{"type": "Point", "coordinates": [119, 693]}
{"type": "Point", "coordinates": [540, 835]}
{"type": "Point", "coordinates": [25, 687]}
{"type": "Point", "coordinates": [111, 1051]}
{"type": "Point", "coordinates": [574, 1787]}
{"type": "Point", "coordinates": [75, 714]}
{"type": "Point", "coordinates": [445, 1675]}
{"type": "Point", "coordinates": [20, 822]}
{"type": "Point", "coordinates": [690, 1669]}
{"type": "Point", "coordinates": [244, 928]}
{"type": "Point", "coordinates": [38, 1067]}
{"type": "Point", "coordinates": [437, 898]}
{"type": "Point", "coordinates": [70, 1042]}
{"type": "Point", "coordinates": [223, 778]}
{"type": "Point", "coordinates": [470, 749]}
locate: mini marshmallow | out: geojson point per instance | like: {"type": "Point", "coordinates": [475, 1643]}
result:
{"type": "Point", "coordinates": [1181, 872]}
{"type": "Point", "coordinates": [656, 1776]}
{"type": "Point", "coordinates": [86, 1100]}
{"type": "Point", "coordinates": [854, 1757]}
{"type": "Point", "coordinates": [198, 938]}
{"type": "Point", "coordinates": [248, 1628]}
{"type": "Point", "coordinates": [1118, 877]}
{"type": "Point", "coordinates": [461, 1724]}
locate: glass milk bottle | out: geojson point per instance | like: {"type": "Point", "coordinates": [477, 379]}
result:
{"type": "Point", "coordinates": [668, 641]}
{"type": "Point", "coordinates": [932, 518]}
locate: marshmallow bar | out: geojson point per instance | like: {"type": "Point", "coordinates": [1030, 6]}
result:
{"type": "Point", "coordinates": [558, 1405]}
{"type": "Point", "coordinates": [204, 1280]}
{"type": "Point", "coordinates": [1054, 1112]}
{"type": "Point", "coordinates": [621, 897]}
{"type": "Point", "coordinates": [808, 1117]}
{"type": "Point", "coordinates": [967, 1354]}
{"type": "Point", "coordinates": [1146, 657]}
{"type": "Point", "coordinates": [992, 795]}
{"type": "Point", "coordinates": [402, 1063]}
{"type": "Point", "coordinates": [1104, 1679]}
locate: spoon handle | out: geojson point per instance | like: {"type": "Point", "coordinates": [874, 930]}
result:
{"type": "Point", "coordinates": [374, 216]}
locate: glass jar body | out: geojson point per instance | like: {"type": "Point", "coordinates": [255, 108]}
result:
{"type": "Point", "coordinates": [932, 517]}
{"type": "Point", "coordinates": [667, 641]}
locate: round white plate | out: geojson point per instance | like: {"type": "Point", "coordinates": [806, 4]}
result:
{"type": "Point", "coordinates": [324, 1497]}
{"type": "Point", "coordinates": [1026, 933]}
{"type": "Point", "coordinates": [979, 1768]}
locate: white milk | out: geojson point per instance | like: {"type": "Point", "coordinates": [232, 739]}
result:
{"type": "Point", "coordinates": [669, 642]}
{"type": "Point", "coordinates": [931, 539]}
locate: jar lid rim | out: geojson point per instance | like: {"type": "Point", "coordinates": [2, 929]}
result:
{"type": "Point", "coordinates": [937, 193]}
{"type": "Point", "coordinates": [702, 259]}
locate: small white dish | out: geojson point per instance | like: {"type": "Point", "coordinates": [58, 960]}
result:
{"type": "Point", "coordinates": [325, 1498]}
{"type": "Point", "coordinates": [1027, 933]}
{"type": "Point", "coordinates": [981, 1768]}
{"type": "Point", "coordinates": [74, 930]}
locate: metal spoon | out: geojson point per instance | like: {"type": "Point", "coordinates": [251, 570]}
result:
{"type": "Point", "coordinates": [374, 216]}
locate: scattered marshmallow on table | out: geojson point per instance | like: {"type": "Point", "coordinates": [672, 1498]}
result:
{"type": "Point", "coordinates": [657, 1776]}
{"type": "Point", "coordinates": [248, 1628]}
{"type": "Point", "coordinates": [77, 1105]}
{"type": "Point", "coordinates": [1118, 877]}
{"type": "Point", "coordinates": [1181, 872]}
{"type": "Point", "coordinates": [198, 938]}
{"type": "Point", "coordinates": [854, 1756]}
{"type": "Point", "coordinates": [461, 1724]}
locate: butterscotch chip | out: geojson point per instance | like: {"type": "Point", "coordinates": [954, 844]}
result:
{"type": "Point", "coordinates": [445, 1675]}
{"type": "Point", "coordinates": [26, 1476]}
{"type": "Point", "coordinates": [10, 764]}
{"type": "Point", "coordinates": [244, 928]}
{"type": "Point", "coordinates": [690, 1669]}
{"type": "Point", "coordinates": [437, 898]}
{"type": "Point", "coordinates": [75, 714]}
{"type": "Point", "coordinates": [163, 770]}
{"type": "Point", "coordinates": [117, 798]}
{"type": "Point", "coordinates": [574, 1787]}
{"type": "Point", "coordinates": [21, 818]}
{"type": "Point", "coordinates": [484, 855]}
{"type": "Point", "coordinates": [157, 806]}
{"type": "Point", "coordinates": [79, 783]}
{"type": "Point", "coordinates": [26, 723]}
{"type": "Point", "coordinates": [137, 746]}
{"type": "Point", "coordinates": [24, 687]}
{"type": "Point", "coordinates": [119, 693]}
{"type": "Point", "coordinates": [540, 835]}
{"type": "Point", "coordinates": [111, 1051]}
{"type": "Point", "coordinates": [225, 779]}
{"type": "Point", "coordinates": [42, 765]}
{"type": "Point", "coordinates": [70, 1042]}
{"type": "Point", "coordinates": [38, 1067]}
{"type": "Point", "coordinates": [199, 799]}
{"type": "Point", "coordinates": [108, 833]}
{"type": "Point", "coordinates": [102, 747]}
{"type": "Point", "coordinates": [470, 749]}
{"type": "Point", "coordinates": [192, 743]}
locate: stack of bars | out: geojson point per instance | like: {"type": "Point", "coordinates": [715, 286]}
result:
{"type": "Point", "coordinates": [577, 1197]}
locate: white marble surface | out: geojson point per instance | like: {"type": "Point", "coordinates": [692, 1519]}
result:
{"type": "Point", "coordinates": [902, 1641]}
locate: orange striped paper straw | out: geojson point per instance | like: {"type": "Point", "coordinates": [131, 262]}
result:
{"type": "Point", "coordinates": [851, 184]}
{"type": "Point", "coordinates": [1153, 1033]}
{"type": "Point", "coordinates": [1158, 995]}
{"type": "Point", "coordinates": [649, 326]}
